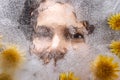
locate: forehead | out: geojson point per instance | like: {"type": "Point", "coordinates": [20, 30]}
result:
{"type": "Point", "coordinates": [59, 14]}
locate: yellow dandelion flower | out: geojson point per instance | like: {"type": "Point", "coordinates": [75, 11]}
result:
{"type": "Point", "coordinates": [68, 76]}
{"type": "Point", "coordinates": [115, 48]}
{"type": "Point", "coordinates": [0, 42]}
{"type": "Point", "coordinates": [114, 22]}
{"type": "Point", "coordinates": [104, 68]}
{"type": "Point", "coordinates": [10, 58]}
{"type": "Point", "coordinates": [5, 76]}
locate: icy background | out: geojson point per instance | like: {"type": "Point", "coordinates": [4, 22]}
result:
{"type": "Point", "coordinates": [95, 11]}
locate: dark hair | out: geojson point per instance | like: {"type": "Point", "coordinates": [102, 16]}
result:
{"type": "Point", "coordinates": [29, 7]}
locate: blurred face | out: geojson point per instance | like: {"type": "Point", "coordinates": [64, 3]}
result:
{"type": "Point", "coordinates": [56, 30]}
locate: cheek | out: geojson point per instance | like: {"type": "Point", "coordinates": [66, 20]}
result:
{"type": "Point", "coordinates": [81, 48]}
{"type": "Point", "coordinates": [40, 44]}
{"type": "Point", "coordinates": [78, 46]}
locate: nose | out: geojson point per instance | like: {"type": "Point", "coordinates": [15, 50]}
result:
{"type": "Point", "coordinates": [59, 44]}
{"type": "Point", "coordinates": [55, 51]}
{"type": "Point", "coordinates": [55, 41]}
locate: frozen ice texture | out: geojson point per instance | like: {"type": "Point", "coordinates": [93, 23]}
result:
{"type": "Point", "coordinates": [95, 11]}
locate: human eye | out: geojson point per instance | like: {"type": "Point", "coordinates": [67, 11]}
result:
{"type": "Point", "coordinates": [44, 32]}
{"type": "Point", "coordinates": [73, 33]}
{"type": "Point", "coordinates": [77, 36]}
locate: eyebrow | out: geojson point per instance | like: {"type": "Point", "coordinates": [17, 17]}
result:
{"type": "Point", "coordinates": [44, 31]}
{"type": "Point", "coordinates": [72, 30]}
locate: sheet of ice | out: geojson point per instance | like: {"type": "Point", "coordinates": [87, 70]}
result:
{"type": "Point", "coordinates": [95, 11]}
